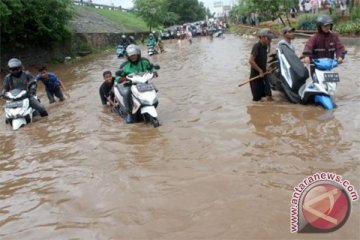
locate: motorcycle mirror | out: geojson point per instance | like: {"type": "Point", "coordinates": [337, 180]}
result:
{"type": "Point", "coordinates": [118, 72]}
{"type": "Point", "coordinates": [156, 66]}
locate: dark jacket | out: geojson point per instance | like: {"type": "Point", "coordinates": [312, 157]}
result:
{"type": "Point", "coordinates": [324, 45]}
{"type": "Point", "coordinates": [260, 53]}
{"type": "Point", "coordinates": [105, 91]}
{"type": "Point", "coordinates": [22, 82]}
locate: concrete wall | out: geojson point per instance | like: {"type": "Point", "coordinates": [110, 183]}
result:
{"type": "Point", "coordinates": [100, 40]}
{"type": "Point", "coordinates": [37, 55]}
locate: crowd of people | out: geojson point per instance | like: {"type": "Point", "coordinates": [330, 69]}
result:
{"type": "Point", "coordinates": [324, 43]}
{"type": "Point", "coordinates": [313, 6]}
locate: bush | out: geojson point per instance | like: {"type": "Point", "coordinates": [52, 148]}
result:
{"type": "Point", "coordinates": [307, 22]}
{"type": "Point", "coordinates": [348, 27]}
{"type": "Point", "coordinates": [355, 13]}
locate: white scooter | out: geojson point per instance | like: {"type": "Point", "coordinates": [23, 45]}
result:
{"type": "Point", "coordinates": [291, 75]}
{"type": "Point", "coordinates": [152, 50]}
{"type": "Point", "coordinates": [18, 112]}
{"type": "Point", "coordinates": [144, 97]}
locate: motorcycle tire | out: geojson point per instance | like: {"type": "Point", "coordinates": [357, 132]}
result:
{"type": "Point", "coordinates": [154, 121]}
{"type": "Point", "coordinates": [28, 118]}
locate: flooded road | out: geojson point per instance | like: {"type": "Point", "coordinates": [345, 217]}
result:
{"type": "Point", "coordinates": [219, 167]}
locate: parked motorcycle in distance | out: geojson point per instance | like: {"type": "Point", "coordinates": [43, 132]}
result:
{"type": "Point", "coordinates": [120, 51]}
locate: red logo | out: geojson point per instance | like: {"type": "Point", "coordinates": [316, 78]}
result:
{"type": "Point", "coordinates": [325, 208]}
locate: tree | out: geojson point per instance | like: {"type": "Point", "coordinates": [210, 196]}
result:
{"type": "Point", "coordinates": [267, 9]}
{"type": "Point", "coordinates": [154, 12]}
{"type": "Point", "coordinates": [188, 10]}
{"type": "Point", "coordinates": [27, 23]}
{"type": "Point", "coordinates": [169, 12]}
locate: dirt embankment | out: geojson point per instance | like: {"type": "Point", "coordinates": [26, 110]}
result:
{"type": "Point", "coordinates": [86, 21]}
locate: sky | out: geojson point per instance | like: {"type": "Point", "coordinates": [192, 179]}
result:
{"type": "Point", "coordinates": [129, 4]}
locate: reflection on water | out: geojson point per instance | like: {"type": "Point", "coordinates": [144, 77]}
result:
{"type": "Point", "coordinates": [219, 166]}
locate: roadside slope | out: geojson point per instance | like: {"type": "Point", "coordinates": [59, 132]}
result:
{"type": "Point", "coordinates": [91, 20]}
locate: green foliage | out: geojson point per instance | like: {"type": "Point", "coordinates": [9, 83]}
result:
{"type": "Point", "coordinates": [152, 11]}
{"type": "Point", "coordinates": [266, 9]}
{"type": "Point", "coordinates": [355, 13]}
{"type": "Point", "coordinates": [27, 23]}
{"type": "Point", "coordinates": [348, 27]}
{"type": "Point", "coordinates": [307, 22]}
{"type": "Point", "coordinates": [188, 10]}
{"type": "Point", "coordinates": [169, 12]}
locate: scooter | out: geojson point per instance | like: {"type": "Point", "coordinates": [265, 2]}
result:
{"type": "Point", "coordinates": [151, 50]}
{"type": "Point", "coordinates": [18, 112]}
{"type": "Point", "coordinates": [120, 51]}
{"type": "Point", "coordinates": [144, 97]}
{"type": "Point", "coordinates": [291, 75]}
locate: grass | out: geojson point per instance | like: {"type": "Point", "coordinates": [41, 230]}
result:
{"type": "Point", "coordinates": [126, 19]}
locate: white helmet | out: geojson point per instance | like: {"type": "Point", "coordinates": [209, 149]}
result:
{"type": "Point", "coordinates": [14, 63]}
{"type": "Point", "coordinates": [132, 49]}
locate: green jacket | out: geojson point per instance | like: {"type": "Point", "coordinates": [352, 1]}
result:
{"type": "Point", "coordinates": [151, 42]}
{"type": "Point", "coordinates": [143, 65]}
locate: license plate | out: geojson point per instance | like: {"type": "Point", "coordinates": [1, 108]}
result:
{"type": "Point", "coordinates": [331, 77]}
{"type": "Point", "coordinates": [144, 87]}
{"type": "Point", "coordinates": [14, 104]}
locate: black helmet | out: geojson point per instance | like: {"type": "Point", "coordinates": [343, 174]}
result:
{"type": "Point", "coordinates": [132, 49]}
{"type": "Point", "coordinates": [324, 20]}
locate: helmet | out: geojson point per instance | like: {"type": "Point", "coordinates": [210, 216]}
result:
{"type": "Point", "coordinates": [266, 32]}
{"type": "Point", "coordinates": [132, 49]}
{"type": "Point", "coordinates": [324, 20]}
{"type": "Point", "coordinates": [151, 35]}
{"type": "Point", "coordinates": [14, 63]}
{"type": "Point", "coordinates": [132, 38]}
{"type": "Point", "coordinates": [15, 67]}
{"type": "Point", "coordinates": [123, 36]}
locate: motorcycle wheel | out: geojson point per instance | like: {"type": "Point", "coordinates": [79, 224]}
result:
{"type": "Point", "coordinates": [154, 121]}
{"type": "Point", "coordinates": [28, 118]}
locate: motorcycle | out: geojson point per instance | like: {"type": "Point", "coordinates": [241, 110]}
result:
{"type": "Point", "coordinates": [291, 75]}
{"type": "Point", "coordinates": [151, 49]}
{"type": "Point", "coordinates": [120, 51]}
{"type": "Point", "coordinates": [18, 112]}
{"type": "Point", "coordinates": [144, 97]}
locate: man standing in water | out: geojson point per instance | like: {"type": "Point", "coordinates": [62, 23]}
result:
{"type": "Point", "coordinates": [258, 60]}
{"type": "Point", "coordinates": [288, 33]}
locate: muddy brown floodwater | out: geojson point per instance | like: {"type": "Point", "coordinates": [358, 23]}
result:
{"type": "Point", "coordinates": [219, 167]}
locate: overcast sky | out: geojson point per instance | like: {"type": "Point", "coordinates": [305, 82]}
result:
{"type": "Point", "coordinates": [129, 3]}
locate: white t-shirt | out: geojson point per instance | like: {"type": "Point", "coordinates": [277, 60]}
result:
{"type": "Point", "coordinates": [283, 41]}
